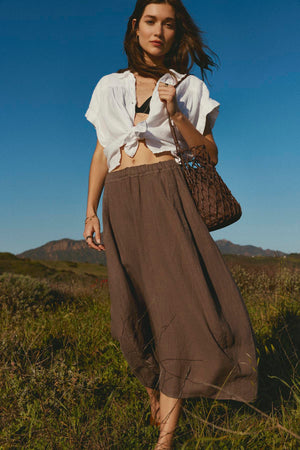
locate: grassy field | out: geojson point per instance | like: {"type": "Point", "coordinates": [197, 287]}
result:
{"type": "Point", "coordinates": [64, 383]}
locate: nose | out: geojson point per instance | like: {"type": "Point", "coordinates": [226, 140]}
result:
{"type": "Point", "coordinates": [158, 30]}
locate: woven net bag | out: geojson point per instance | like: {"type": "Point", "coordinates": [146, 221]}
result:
{"type": "Point", "coordinates": [214, 201]}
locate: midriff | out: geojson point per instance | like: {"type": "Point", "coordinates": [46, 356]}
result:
{"type": "Point", "coordinates": [143, 154]}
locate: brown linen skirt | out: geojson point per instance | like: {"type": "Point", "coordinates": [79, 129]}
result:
{"type": "Point", "coordinates": [176, 310]}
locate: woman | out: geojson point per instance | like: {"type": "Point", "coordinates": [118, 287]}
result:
{"type": "Point", "coordinates": [175, 309]}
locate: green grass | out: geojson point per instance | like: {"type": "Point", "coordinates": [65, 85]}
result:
{"type": "Point", "coordinates": [56, 271]}
{"type": "Point", "coordinates": [65, 384]}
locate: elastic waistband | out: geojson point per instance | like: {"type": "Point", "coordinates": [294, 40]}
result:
{"type": "Point", "coordinates": [141, 170]}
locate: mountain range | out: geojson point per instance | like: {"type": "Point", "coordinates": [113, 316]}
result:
{"type": "Point", "coordinates": [78, 251]}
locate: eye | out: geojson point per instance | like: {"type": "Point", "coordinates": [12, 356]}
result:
{"type": "Point", "coordinates": [170, 25]}
{"type": "Point", "coordinates": [149, 21]}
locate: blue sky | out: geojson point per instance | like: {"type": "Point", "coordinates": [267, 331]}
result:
{"type": "Point", "coordinates": [52, 56]}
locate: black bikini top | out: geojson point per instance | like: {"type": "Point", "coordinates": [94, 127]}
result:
{"type": "Point", "coordinates": [144, 108]}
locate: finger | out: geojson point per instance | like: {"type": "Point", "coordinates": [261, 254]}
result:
{"type": "Point", "coordinates": [166, 86]}
{"type": "Point", "coordinates": [167, 98]}
{"type": "Point", "coordinates": [90, 242]}
{"type": "Point", "coordinates": [95, 246]}
{"type": "Point", "coordinates": [97, 236]}
{"type": "Point", "coordinates": [99, 242]}
{"type": "Point", "coordinates": [100, 245]}
{"type": "Point", "coordinates": [164, 89]}
{"type": "Point", "coordinates": [166, 94]}
{"type": "Point", "coordinates": [89, 232]}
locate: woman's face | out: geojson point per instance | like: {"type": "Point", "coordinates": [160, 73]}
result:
{"type": "Point", "coordinates": [156, 31]}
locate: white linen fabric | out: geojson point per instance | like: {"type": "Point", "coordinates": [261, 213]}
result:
{"type": "Point", "coordinates": [112, 112]}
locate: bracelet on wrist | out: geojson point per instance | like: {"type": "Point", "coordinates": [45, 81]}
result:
{"type": "Point", "coordinates": [90, 218]}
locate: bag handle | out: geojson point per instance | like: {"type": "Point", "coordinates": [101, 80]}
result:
{"type": "Point", "coordinates": [204, 160]}
{"type": "Point", "coordinates": [170, 122]}
{"type": "Point", "coordinates": [183, 78]}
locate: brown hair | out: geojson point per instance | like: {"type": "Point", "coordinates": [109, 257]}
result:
{"type": "Point", "coordinates": [187, 49]}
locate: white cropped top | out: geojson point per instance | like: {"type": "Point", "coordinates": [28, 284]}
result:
{"type": "Point", "coordinates": [112, 112]}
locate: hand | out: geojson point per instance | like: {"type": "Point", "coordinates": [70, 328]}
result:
{"type": "Point", "coordinates": [91, 227]}
{"type": "Point", "coordinates": [167, 94]}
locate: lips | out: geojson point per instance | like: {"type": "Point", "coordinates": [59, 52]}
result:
{"type": "Point", "coordinates": [158, 43]}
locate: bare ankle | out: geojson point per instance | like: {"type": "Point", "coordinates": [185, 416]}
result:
{"type": "Point", "coordinates": [164, 444]}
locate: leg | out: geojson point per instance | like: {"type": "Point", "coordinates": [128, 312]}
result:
{"type": "Point", "coordinates": [169, 413]}
{"type": "Point", "coordinates": [154, 404]}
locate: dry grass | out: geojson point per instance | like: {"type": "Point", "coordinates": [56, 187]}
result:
{"type": "Point", "coordinates": [65, 384]}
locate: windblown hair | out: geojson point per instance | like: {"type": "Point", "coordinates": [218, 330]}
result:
{"type": "Point", "coordinates": [187, 49]}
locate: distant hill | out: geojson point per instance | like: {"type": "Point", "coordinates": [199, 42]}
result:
{"type": "Point", "coordinates": [78, 251]}
{"type": "Point", "coordinates": [228, 248]}
{"type": "Point", "coordinates": [71, 272]}
{"type": "Point", "coordinates": [65, 250]}
{"type": "Point", "coordinates": [89, 274]}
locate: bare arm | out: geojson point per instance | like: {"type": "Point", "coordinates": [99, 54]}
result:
{"type": "Point", "coordinates": [189, 133]}
{"type": "Point", "coordinates": [193, 137]}
{"type": "Point", "coordinates": [98, 171]}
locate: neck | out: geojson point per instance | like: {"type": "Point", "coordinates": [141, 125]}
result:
{"type": "Point", "coordinates": [153, 61]}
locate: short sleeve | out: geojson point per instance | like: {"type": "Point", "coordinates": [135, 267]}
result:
{"type": "Point", "coordinates": [93, 113]}
{"type": "Point", "coordinates": [198, 105]}
{"type": "Point", "coordinates": [209, 109]}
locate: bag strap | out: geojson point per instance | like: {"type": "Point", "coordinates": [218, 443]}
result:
{"type": "Point", "coordinates": [183, 78]}
{"type": "Point", "coordinates": [170, 122]}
